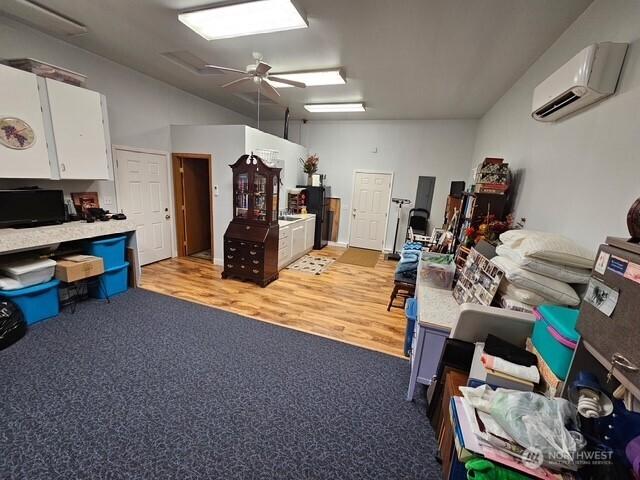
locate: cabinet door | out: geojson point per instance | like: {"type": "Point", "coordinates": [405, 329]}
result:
{"type": "Point", "coordinates": [79, 131]}
{"type": "Point", "coordinates": [297, 239]}
{"type": "Point", "coordinates": [309, 232]}
{"type": "Point", "coordinates": [20, 99]}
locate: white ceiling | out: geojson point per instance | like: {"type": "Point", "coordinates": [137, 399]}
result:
{"type": "Point", "coordinates": [406, 59]}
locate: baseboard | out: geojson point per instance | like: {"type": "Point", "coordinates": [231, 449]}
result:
{"type": "Point", "coordinates": [338, 244]}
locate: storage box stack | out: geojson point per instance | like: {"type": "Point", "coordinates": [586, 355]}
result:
{"type": "Point", "coordinates": [540, 268]}
{"type": "Point", "coordinates": [115, 279]}
{"type": "Point", "coordinates": [555, 337]}
{"type": "Point", "coordinates": [28, 283]}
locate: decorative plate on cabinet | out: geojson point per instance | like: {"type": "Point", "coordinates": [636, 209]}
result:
{"type": "Point", "coordinates": [16, 133]}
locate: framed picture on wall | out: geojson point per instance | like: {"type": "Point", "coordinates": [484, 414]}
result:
{"type": "Point", "coordinates": [82, 201]}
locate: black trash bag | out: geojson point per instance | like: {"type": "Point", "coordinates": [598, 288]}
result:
{"type": "Point", "coordinates": [12, 324]}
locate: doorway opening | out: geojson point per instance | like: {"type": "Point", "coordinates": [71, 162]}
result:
{"type": "Point", "coordinates": [193, 184]}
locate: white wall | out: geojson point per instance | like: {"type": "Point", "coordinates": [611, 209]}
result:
{"type": "Point", "coordinates": [140, 107]}
{"type": "Point", "coordinates": [580, 175]}
{"type": "Point", "coordinates": [226, 143]}
{"type": "Point", "coordinates": [439, 148]}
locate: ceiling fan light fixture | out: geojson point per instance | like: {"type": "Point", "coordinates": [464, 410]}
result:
{"type": "Point", "coordinates": [312, 78]}
{"type": "Point", "coordinates": [245, 18]}
{"type": "Point", "coordinates": [334, 107]}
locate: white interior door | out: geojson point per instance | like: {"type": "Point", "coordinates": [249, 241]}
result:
{"type": "Point", "coordinates": [143, 196]}
{"type": "Point", "coordinates": [370, 209]}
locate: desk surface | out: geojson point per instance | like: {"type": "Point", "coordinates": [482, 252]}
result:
{"type": "Point", "coordinates": [436, 307]}
{"type": "Point", "coordinates": [20, 239]}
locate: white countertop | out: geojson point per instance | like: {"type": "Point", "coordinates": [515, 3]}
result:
{"type": "Point", "coordinates": [436, 307]}
{"type": "Point", "coordinates": [19, 239]}
{"type": "Point", "coordinates": [299, 216]}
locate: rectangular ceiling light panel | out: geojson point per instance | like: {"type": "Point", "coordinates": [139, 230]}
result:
{"type": "Point", "coordinates": [246, 18]}
{"type": "Point", "coordinates": [312, 78]}
{"type": "Point", "coordinates": [334, 107]}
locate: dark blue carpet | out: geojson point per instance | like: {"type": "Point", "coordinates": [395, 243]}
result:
{"type": "Point", "coordinates": [154, 387]}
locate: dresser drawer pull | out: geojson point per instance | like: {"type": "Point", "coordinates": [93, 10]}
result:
{"type": "Point", "coordinates": [242, 266]}
{"type": "Point", "coordinates": [229, 257]}
{"type": "Point", "coordinates": [231, 249]}
{"type": "Point", "coordinates": [255, 270]}
{"type": "Point", "coordinates": [252, 252]}
{"type": "Point", "coordinates": [256, 262]}
{"type": "Point", "coordinates": [230, 265]}
{"type": "Point", "coordinates": [242, 244]}
{"type": "Point", "coordinates": [248, 227]}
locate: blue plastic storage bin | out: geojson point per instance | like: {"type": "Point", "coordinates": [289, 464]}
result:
{"type": "Point", "coordinates": [555, 337]}
{"type": "Point", "coordinates": [37, 302]}
{"type": "Point", "coordinates": [112, 282]}
{"type": "Point", "coordinates": [411, 312]}
{"type": "Point", "coordinates": [110, 249]}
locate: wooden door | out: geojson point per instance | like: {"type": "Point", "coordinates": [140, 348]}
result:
{"type": "Point", "coordinates": [370, 209]}
{"type": "Point", "coordinates": [79, 131]}
{"type": "Point", "coordinates": [197, 205]}
{"type": "Point", "coordinates": [143, 195]}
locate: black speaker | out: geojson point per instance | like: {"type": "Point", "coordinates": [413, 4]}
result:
{"type": "Point", "coordinates": [456, 189]}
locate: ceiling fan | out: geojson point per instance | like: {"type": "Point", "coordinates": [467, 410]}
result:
{"type": "Point", "coordinates": [258, 74]}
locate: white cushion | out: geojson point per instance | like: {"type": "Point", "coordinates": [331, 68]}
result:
{"type": "Point", "coordinates": [513, 304]}
{"type": "Point", "coordinates": [523, 295]}
{"type": "Point", "coordinates": [548, 246]}
{"type": "Point", "coordinates": [563, 273]}
{"type": "Point", "coordinates": [549, 288]}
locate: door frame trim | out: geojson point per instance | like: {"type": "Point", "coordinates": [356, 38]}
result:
{"type": "Point", "coordinates": [351, 203]}
{"type": "Point", "coordinates": [177, 187]}
{"type": "Point", "coordinates": [118, 187]}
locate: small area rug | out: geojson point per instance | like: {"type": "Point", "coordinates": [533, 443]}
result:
{"type": "Point", "coordinates": [203, 255]}
{"type": "Point", "coordinates": [152, 387]}
{"type": "Point", "coordinates": [311, 264]}
{"type": "Point", "coordinates": [360, 256]}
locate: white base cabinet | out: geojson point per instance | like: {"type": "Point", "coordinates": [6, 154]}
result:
{"type": "Point", "coordinates": [294, 239]}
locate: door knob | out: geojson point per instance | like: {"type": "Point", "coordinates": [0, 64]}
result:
{"type": "Point", "coordinates": [167, 217]}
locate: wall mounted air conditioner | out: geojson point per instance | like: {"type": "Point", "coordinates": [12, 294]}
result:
{"type": "Point", "coordinates": [588, 77]}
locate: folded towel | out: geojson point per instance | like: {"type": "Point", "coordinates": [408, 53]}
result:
{"type": "Point", "coordinates": [407, 267]}
{"type": "Point", "coordinates": [499, 365]}
{"type": "Point", "coordinates": [409, 258]}
{"type": "Point", "coordinates": [413, 246]}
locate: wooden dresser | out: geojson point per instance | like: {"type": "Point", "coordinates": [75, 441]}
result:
{"type": "Point", "coordinates": [251, 239]}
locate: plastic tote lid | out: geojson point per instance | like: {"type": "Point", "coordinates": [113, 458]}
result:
{"type": "Point", "coordinates": [562, 319]}
{"type": "Point", "coordinates": [26, 265]}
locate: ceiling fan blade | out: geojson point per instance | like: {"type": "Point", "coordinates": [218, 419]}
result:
{"type": "Point", "coordinates": [268, 91]}
{"type": "Point", "coordinates": [235, 83]}
{"type": "Point", "coordinates": [226, 69]}
{"type": "Point", "coordinates": [293, 83]}
{"type": "Point", "coordinates": [262, 68]}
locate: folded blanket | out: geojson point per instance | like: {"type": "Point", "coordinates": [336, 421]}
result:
{"type": "Point", "coordinates": [499, 365]}
{"type": "Point", "coordinates": [407, 267]}
{"type": "Point", "coordinates": [412, 246]}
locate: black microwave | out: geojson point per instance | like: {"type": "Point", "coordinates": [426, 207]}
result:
{"type": "Point", "coordinates": [30, 208]}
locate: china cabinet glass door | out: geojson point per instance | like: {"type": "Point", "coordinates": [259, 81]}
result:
{"type": "Point", "coordinates": [242, 196]}
{"type": "Point", "coordinates": [274, 199]}
{"type": "Point", "coordinates": [259, 197]}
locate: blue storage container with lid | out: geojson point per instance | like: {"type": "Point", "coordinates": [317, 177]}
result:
{"type": "Point", "coordinates": [112, 282]}
{"type": "Point", "coordinates": [411, 312]}
{"type": "Point", "coordinates": [555, 336]}
{"type": "Point", "coordinates": [37, 302]}
{"type": "Point", "coordinates": [111, 250]}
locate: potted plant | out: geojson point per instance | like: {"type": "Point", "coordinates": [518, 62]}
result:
{"type": "Point", "coordinates": [310, 166]}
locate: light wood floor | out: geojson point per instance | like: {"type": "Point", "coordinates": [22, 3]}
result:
{"type": "Point", "coordinates": [347, 303]}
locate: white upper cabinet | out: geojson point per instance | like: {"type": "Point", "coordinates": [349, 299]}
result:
{"type": "Point", "coordinates": [23, 147]}
{"type": "Point", "coordinates": [80, 132]}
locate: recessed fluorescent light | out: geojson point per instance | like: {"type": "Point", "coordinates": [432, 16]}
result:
{"type": "Point", "coordinates": [334, 107]}
{"type": "Point", "coordinates": [246, 18]}
{"type": "Point", "coordinates": [311, 78]}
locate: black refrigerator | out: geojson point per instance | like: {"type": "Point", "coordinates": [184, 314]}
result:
{"type": "Point", "coordinates": [317, 202]}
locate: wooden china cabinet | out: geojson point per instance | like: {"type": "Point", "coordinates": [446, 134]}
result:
{"type": "Point", "coordinates": [251, 239]}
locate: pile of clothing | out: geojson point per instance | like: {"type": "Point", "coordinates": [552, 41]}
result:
{"type": "Point", "coordinates": [407, 269]}
{"type": "Point", "coordinates": [541, 268]}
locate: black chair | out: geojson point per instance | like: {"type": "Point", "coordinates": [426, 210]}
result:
{"type": "Point", "coordinates": [418, 221]}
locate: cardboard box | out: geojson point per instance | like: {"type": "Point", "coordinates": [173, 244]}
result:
{"type": "Point", "coordinates": [79, 267]}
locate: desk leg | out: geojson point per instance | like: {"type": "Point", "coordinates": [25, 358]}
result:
{"type": "Point", "coordinates": [134, 257]}
{"type": "Point", "coordinates": [416, 356]}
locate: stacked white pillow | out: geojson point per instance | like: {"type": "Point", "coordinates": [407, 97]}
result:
{"type": "Point", "coordinates": [540, 266]}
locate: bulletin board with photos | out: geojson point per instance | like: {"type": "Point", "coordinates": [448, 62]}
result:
{"type": "Point", "coordinates": [479, 280]}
